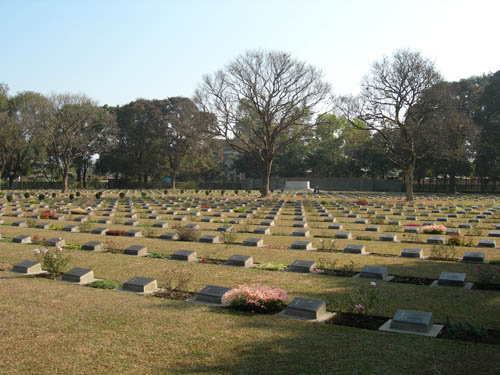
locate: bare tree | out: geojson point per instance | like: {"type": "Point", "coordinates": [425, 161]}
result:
{"type": "Point", "coordinates": [387, 104]}
{"type": "Point", "coordinates": [262, 101]}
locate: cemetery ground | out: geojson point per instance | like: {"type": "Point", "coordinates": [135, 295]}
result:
{"type": "Point", "coordinates": [54, 327]}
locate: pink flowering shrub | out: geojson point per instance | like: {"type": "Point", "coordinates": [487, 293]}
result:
{"type": "Point", "coordinates": [434, 229]}
{"type": "Point", "coordinates": [256, 298]}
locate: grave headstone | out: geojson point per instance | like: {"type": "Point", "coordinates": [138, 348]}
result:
{"type": "Point", "coordinates": [209, 238]}
{"type": "Point", "coordinates": [302, 245]}
{"type": "Point", "coordinates": [211, 294]}
{"type": "Point", "coordinates": [140, 285]}
{"type": "Point", "coordinates": [302, 266]}
{"type": "Point", "coordinates": [240, 261]}
{"type": "Point", "coordinates": [256, 242]}
{"type": "Point", "coordinates": [374, 272]}
{"type": "Point", "coordinates": [79, 275]}
{"type": "Point", "coordinates": [28, 267]}
{"type": "Point", "coordinates": [412, 253]}
{"type": "Point", "coordinates": [23, 239]}
{"type": "Point", "coordinates": [306, 309]}
{"type": "Point", "coordinates": [355, 249]}
{"type": "Point", "coordinates": [93, 246]}
{"type": "Point", "coordinates": [137, 250]}
{"type": "Point", "coordinates": [185, 255]}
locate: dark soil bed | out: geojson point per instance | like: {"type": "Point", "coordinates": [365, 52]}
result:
{"type": "Point", "coordinates": [412, 280]}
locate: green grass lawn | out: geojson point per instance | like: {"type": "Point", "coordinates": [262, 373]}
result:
{"type": "Point", "coordinates": [51, 327]}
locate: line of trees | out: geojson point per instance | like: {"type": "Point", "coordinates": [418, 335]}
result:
{"type": "Point", "coordinates": [278, 116]}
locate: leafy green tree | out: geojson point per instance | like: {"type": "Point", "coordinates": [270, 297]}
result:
{"type": "Point", "coordinates": [75, 127]}
{"type": "Point", "coordinates": [28, 112]}
{"type": "Point", "coordinates": [488, 117]}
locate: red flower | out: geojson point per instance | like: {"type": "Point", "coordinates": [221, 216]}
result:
{"type": "Point", "coordinates": [478, 267]}
{"type": "Point", "coordinates": [43, 239]}
{"type": "Point", "coordinates": [203, 260]}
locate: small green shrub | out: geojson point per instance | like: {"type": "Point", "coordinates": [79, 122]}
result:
{"type": "Point", "coordinates": [228, 238]}
{"type": "Point", "coordinates": [443, 251]}
{"type": "Point", "coordinates": [188, 234]}
{"type": "Point", "coordinates": [9, 197]}
{"type": "Point", "coordinates": [98, 195]}
{"type": "Point", "coordinates": [176, 280]}
{"type": "Point", "coordinates": [54, 195]}
{"type": "Point", "coordinates": [122, 195]}
{"type": "Point", "coordinates": [271, 266]}
{"type": "Point", "coordinates": [105, 284]}
{"type": "Point", "coordinates": [52, 261]}
{"type": "Point", "coordinates": [78, 194]}
{"type": "Point", "coordinates": [41, 197]}
{"type": "Point", "coordinates": [158, 255]}
{"type": "Point", "coordinates": [465, 328]}
{"type": "Point", "coordinates": [85, 227]}
{"type": "Point", "coordinates": [71, 196]}
{"type": "Point", "coordinates": [362, 299]}
{"type": "Point", "coordinates": [26, 195]}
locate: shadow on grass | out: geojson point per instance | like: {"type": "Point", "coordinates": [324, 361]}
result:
{"type": "Point", "coordinates": [295, 347]}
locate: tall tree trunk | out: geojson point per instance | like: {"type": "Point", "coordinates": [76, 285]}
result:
{"type": "Point", "coordinates": [266, 178]}
{"type": "Point", "coordinates": [65, 178]}
{"type": "Point", "coordinates": [173, 179]}
{"type": "Point", "coordinates": [410, 167]}
{"type": "Point", "coordinates": [11, 181]}
{"type": "Point", "coordinates": [84, 177]}
{"type": "Point", "coordinates": [453, 184]}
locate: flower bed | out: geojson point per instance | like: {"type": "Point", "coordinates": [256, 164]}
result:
{"type": "Point", "coordinates": [256, 298]}
{"type": "Point", "coordinates": [115, 233]}
{"type": "Point", "coordinates": [434, 229]}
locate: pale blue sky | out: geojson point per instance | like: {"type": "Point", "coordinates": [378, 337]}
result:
{"type": "Point", "coordinates": [118, 50]}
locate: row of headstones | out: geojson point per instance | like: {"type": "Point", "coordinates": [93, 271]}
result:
{"type": "Point", "coordinates": [405, 321]}
{"type": "Point", "coordinates": [301, 266]}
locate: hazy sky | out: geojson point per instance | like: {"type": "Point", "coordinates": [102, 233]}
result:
{"type": "Point", "coordinates": [117, 50]}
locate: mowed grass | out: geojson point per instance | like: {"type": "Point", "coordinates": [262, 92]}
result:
{"type": "Point", "coordinates": [483, 306]}
{"type": "Point", "coordinates": [51, 327]}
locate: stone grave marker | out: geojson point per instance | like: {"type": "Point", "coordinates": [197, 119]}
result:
{"type": "Point", "coordinates": [435, 240]}
{"type": "Point", "coordinates": [256, 242]}
{"type": "Point", "coordinates": [302, 245]}
{"type": "Point", "coordinates": [93, 246]}
{"type": "Point", "coordinates": [185, 255]}
{"type": "Point", "coordinates": [355, 249]}
{"type": "Point", "coordinates": [71, 228]}
{"type": "Point", "coordinates": [375, 272]}
{"type": "Point", "coordinates": [336, 226]}
{"type": "Point", "coordinates": [412, 253]}
{"type": "Point", "coordinates": [411, 321]}
{"type": "Point", "coordinates": [79, 275]}
{"type": "Point", "coordinates": [388, 237]}
{"type": "Point", "coordinates": [193, 226]}
{"type": "Point", "coordinates": [211, 295]}
{"type": "Point", "coordinates": [169, 236]}
{"type": "Point", "coordinates": [343, 235]}
{"type": "Point", "coordinates": [56, 241]}
{"type": "Point", "coordinates": [100, 231]}
{"type": "Point", "coordinates": [302, 266]}
{"type": "Point", "coordinates": [207, 219]}
{"type": "Point", "coordinates": [22, 238]}
{"type": "Point", "coordinates": [372, 228]}
{"type": "Point", "coordinates": [301, 233]}
{"type": "Point", "coordinates": [262, 231]}
{"type": "Point", "coordinates": [473, 257]}
{"type": "Point", "coordinates": [137, 250]}
{"type": "Point", "coordinates": [306, 309]}
{"type": "Point", "coordinates": [452, 279]}
{"type": "Point", "coordinates": [20, 224]}
{"type": "Point", "coordinates": [28, 267]}
{"type": "Point", "coordinates": [299, 225]}
{"type": "Point", "coordinates": [494, 233]}
{"type": "Point", "coordinates": [240, 261]}
{"type": "Point", "coordinates": [160, 224]}
{"type": "Point", "coordinates": [42, 225]}
{"type": "Point", "coordinates": [131, 223]}
{"type": "Point", "coordinates": [133, 233]}
{"type": "Point", "coordinates": [143, 285]}
{"type": "Point", "coordinates": [209, 238]}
